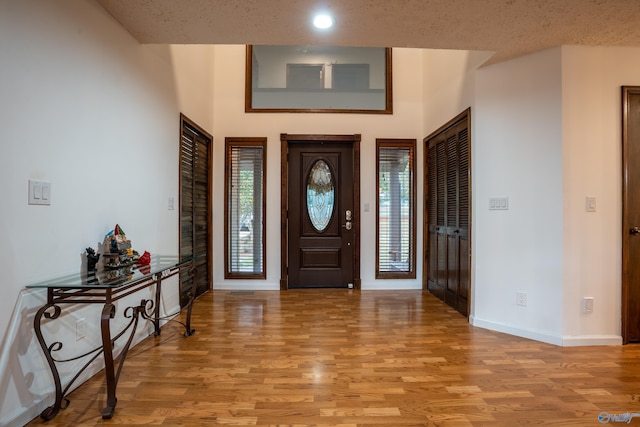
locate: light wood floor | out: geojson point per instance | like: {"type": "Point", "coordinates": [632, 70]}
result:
{"type": "Point", "coordinates": [347, 358]}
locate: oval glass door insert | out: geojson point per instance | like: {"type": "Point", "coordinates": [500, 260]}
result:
{"type": "Point", "coordinates": [320, 195]}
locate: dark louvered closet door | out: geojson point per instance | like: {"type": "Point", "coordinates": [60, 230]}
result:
{"type": "Point", "coordinates": [464, 209]}
{"type": "Point", "coordinates": [447, 214]}
{"type": "Point", "coordinates": [437, 261]}
{"type": "Point", "coordinates": [195, 202]}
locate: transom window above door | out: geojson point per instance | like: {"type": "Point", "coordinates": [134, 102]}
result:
{"type": "Point", "coordinates": [318, 79]}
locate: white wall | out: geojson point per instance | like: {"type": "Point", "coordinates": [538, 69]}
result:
{"type": "Point", "coordinates": [517, 153]}
{"type": "Point", "coordinates": [232, 121]}
{"type": "Point", "coordinates": [547, 134]}
{"type": "Point", "coordinates": [192, 67]}
{"type": "Point", "coordinates": [592, 166]}
{"type": "Point", "coordinates": [87, 108]}
{"type": "Point", "coordinates": [449, 84]}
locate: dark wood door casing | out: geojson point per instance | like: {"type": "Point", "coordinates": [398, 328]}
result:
{"type": "Point", "coordinates": [289, 144]}
{"type": "Point", "coordinates": [447, 213]}
{"type": "Point", "coordinates": [630, 214]}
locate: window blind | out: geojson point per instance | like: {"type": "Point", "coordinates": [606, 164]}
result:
{"type": "Point", "coordinates": [245, 211]}
{"type": "Point", "coordinates": [395, 210]}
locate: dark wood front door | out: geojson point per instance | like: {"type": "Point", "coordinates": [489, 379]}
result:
{"type": "Point", "coordinates": [631, 214]}
{"type": "Point", "coordinates": [320, 210]}
{"type": "Point", "coordinates": [447, 228]}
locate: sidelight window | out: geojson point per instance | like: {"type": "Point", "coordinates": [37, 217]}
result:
{"type": "Point", "coordinates": [245, 202]}
{"type": "Point", "coordinates": [396, 210]}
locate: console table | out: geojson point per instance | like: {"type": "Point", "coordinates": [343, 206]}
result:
{"type": "Point", "coordinates": [106, 287]}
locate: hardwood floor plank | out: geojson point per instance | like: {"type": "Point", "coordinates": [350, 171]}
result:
{"type": "Point", "coordinates": [331, 357]}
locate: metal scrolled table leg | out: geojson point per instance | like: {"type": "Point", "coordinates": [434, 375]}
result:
{"type": "Point", "coordinates": [50, 412]}
{"type": "Point", "coordinates": [108, 313]}
{"type": "Point", "coordinates": [193, 271]}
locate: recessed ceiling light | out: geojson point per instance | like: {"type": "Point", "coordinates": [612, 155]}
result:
{"type": "Point", "coordinates": [322, 21]}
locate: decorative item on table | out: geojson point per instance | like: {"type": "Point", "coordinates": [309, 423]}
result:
{"type": "Point", "coordinates": [145, 259]}
{"type": "Point", "coordinates": [143, 263]}
{"type": "Point", "coordinates": [117, 259]}
{"type": "Point", "coordinates": [118, 251]}
{"type": "Point", "coordinates": [111, 276]}
{"type": "Point", "coordinates": [92, 259]}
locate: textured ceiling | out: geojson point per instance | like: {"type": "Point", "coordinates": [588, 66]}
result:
{"type": "Point", "coordinates": [508, 27]}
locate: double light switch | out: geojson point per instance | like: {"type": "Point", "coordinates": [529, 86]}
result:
{"type": "Point", "coordinates": [39, 192]}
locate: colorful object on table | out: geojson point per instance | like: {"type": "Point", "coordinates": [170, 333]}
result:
{"type": "Point", "coordinates": [116, 250]}
{"type": "Point", "coordinates": [145, 259]}
{"type": "Point", "coordinates": [116, 241]}
{"type": "Point", "coordinates": [119, 231]}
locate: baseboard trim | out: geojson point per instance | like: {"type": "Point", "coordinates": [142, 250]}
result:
{"type": "Point", "coordinates": [561, 341]}
{"type": "Point", "coordinates": [523, 333]}
{"type": "Point", "coordinates": [391, 286]}
{"type": "Point", "coordinates": [591, 340]}
{"type": "Point", "coordinates": [246, 287]}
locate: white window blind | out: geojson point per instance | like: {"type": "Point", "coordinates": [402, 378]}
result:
{"type": "Point", "coordinates": [395, 226]}
{"type": "Point", "coordinates": [245, 211]}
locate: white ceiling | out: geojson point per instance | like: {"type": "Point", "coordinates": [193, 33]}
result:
{"type": "Point", "coordinates": [508, 27]}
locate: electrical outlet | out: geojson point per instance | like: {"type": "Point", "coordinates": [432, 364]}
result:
{"type": "Point", "coordinates": [521, 298]}
{"type": "Point", "coordinates": [587, 305]}
{"type": "Point", "coordinates": [81, 327]}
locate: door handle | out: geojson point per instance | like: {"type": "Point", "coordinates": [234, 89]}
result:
{"type": "Point", "coordinates": [634, 230]}
{"type": "Point", "coordinates": [347, 225]}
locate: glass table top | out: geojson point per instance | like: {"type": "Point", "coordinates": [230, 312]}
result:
{"type": "Point", "coordinates": [112, 277]}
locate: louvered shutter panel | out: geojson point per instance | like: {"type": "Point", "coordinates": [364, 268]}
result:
{"type": "Point", "coordinates": [186, 192]}
{"type": "Point", "coordinates": [440, 182]}
{"type": "Point", "coordinates": [463, 148]}
{"type": "Point", "coordinates": [464, 267]}
{"type": "Point", "coordinates": [194, 207]}
{"type": "Point", "coordinates": [432, 216]}
{"type": "Point", "coordinates": [452, 181]}
{"type": "Point", "coordinates": [448, 214]}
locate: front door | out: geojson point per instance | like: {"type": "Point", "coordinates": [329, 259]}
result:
{"type": "Point", "coordinates": [631, 214]}
{"type": "Point", "coordinates": [320, 210]}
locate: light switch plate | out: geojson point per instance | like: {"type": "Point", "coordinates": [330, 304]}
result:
{"type": "Point", "coordinates": [590, 203]}
{"type": "Point", "coordinates": [39, 192]}
{"type": "Point", "coordinates": [499, 203]}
